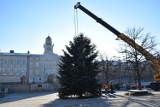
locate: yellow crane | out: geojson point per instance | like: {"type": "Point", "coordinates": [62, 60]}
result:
{"type": "Point", "coordinates": [155, 62]}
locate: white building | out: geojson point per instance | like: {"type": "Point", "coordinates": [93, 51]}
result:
{"type": "Point", "coordinates": [29, 68]}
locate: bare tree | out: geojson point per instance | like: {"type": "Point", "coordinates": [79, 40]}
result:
{"type": "Point", "coordinates": [127, 67]}
{"type": "Point", "coordinates": [135, 57]}
{"type": "Point", "coordinates": [106, 66]}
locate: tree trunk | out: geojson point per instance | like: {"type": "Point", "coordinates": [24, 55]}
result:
{"type": "Point", "coordinates": [107, 80]}
{"type": "Point", "coordinates": [139, 80]}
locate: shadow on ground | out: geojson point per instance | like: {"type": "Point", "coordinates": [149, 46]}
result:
{"type": "Point", "coordinates": [148, 100]}
{"type": "Point", "coordinates": [88, 102]}
{"type": "Point", "coordinates": [113, 100]}
{"type": "Point", "coordinates": [20, 96]}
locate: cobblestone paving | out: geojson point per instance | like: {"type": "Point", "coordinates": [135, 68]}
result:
{"type": "Point", "coordinates": [50, 99]}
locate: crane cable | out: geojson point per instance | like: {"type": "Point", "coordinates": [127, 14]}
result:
{"type": "Point", "coordinates": [76, 22]}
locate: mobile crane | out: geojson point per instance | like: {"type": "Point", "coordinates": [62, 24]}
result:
{"type": "Point", "coordinates": [155, 62]}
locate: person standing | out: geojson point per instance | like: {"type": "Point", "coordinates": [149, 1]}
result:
{"type": "Point", "coordinates": [111, 87]}
{"type": "Point", "coordinates": [106, 88]}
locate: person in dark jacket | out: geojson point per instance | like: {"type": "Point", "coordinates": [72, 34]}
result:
{"type": "Point", "coordinates": [111, 87]}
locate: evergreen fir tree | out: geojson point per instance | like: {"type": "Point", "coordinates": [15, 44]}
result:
{"type": "Point", "coordinates": [78, 69]}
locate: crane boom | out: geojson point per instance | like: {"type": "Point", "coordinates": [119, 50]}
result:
{"type": "Point", "coordinates": [145, 53]}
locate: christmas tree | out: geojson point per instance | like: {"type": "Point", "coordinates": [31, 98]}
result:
{"type": "Point", "coordinates": [78, 69]}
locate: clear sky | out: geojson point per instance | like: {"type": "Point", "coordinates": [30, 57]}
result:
{"type": "Point", "coordinates": [24, 24]}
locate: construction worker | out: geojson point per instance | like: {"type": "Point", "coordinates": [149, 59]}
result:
{"type": "Point", "coordinates": [106, 88]}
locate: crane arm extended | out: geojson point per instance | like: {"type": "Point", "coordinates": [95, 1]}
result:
{"type": "Point", "coordinates": [99, 20]}
{"type": "Point", "coordinates": [148, 56]}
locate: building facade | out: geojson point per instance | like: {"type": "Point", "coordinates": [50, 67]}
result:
{"type": "Point", "coordinates": [123, 73]}
{"type": "Point", "coordinates": [29, 68]}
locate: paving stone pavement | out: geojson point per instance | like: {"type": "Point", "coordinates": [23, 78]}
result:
{"type": "Point", "coordinates": [51, 99]}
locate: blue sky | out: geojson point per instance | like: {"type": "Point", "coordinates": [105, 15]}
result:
{"type": "Point", "coordinates": [24, 24]}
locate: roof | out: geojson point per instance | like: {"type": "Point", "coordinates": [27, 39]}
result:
{"type": "Point", "coordinates": [17, 54]}
{"type": "Point", "coordinates": [48, 38]}
{"type": "Point", "coordinates": [7, 53]}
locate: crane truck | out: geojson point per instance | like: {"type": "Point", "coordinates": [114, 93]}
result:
{"type": "Point", "coordinates": [155, 62]}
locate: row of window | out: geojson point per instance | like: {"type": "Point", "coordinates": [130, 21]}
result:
{"type": "Point", "coordinates": [42, 65]}
{"type": "Point", "coordinates": [13, 61]}
{"type": "Point", "coordinates": [13, 69]}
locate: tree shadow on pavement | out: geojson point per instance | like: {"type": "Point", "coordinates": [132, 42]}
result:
{"type": "Point", "coordinates": [140, 100]}
{"type": "Point", "coordinates": [20, 96]}
{"type": "Point", "coordinates": [88, 102]}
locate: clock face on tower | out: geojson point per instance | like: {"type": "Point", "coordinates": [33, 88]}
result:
{"type": "Point", "coordinates": [48, 43]}
{"type": "Point", "coordinates": [48, 48]}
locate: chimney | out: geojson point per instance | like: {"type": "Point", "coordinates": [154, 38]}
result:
{"type": "Point", "coordinates": [28, 52]}
{"type": "Point", "coordinates": [11, 51]}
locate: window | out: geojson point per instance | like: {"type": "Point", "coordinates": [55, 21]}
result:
{"type": "Point", "coordinates": [17, 69]}
{"type": "Point", "coordinates": [33, 80]}
{"type": "Point", "coordinates": [18, 62]}
{"type": "Point", "coordinates": [22, 69]}
{"type": "Point", "coordinates": [5, 61]}
{"type": "Point", "coordinates": [39, 85]}
{"type": "Point", "coordinates": [21, 61]}
{"type": "Point", "coordinates": [48, 43]}
{"type": "Point", "coordinates": [11, 61]}
{"type": "Point", "coordinates": [48, 48]}
{"type": "Point", "coordinates": [37, 64]}
{"type": "Point", "coordinates": [14, 62]}
{"type": "Point", "coordinates": [24, 62]}
{"type": "Point", "coordinates": [25, 69]}
{"type": "Point", "coordinates": [9, 69]}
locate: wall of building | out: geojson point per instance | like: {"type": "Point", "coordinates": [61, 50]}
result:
{"type": "Point", "coordinates": [22, 72]}
{"type": "Point", "coordinates": [12, 67]}
{"type": "Point", "coordinates": [43, 87]}
{"type": "Point", "coordinates": [13, 88]}
{"type": "Point", "coordinates": [42, 66]}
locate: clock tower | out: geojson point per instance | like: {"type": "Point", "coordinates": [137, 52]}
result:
{"type": "Point", "coordinates": [48, 46]}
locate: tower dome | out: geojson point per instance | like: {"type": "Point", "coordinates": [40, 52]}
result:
{"type": "Point", "coordinates": [48, 46]}
{"type": "Point", "coordinates": [49, 38]}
